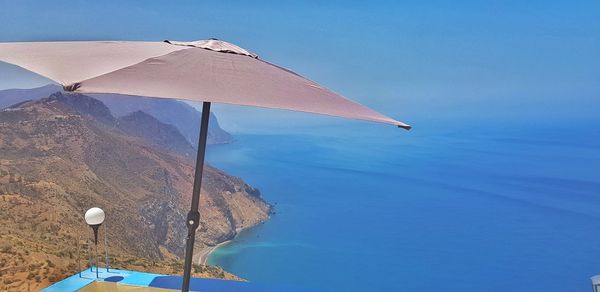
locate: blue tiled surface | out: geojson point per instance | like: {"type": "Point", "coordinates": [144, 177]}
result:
{"type": "Point", "coordinates": [76, 281]}
{"type": "Point", "coordinates": [137, 278]}
{"type": "Point", "coordinates": [86, 277]}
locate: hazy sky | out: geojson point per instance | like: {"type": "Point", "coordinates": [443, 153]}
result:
{"type": "Point", "coordinates": [412, 60]}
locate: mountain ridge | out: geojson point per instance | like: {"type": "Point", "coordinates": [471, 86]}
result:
{"type": "Point", "coordinates": [169, 111]}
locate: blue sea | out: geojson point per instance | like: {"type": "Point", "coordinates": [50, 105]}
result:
{"type": "Point", "coordinates": [371, 209]}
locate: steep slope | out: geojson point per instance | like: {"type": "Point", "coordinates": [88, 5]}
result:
{"type": "Point", "coordinates": [62, 155]}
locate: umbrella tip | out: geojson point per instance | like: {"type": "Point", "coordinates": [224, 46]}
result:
{"type": "Point", "coordinates": [405, 127]}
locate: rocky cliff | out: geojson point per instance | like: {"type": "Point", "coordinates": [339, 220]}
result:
{"type": "Point", "coordinates": [66, 153]}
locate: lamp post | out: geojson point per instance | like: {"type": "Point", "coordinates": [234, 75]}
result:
{"type": "Point", "coordinates": [106, 247]}
{"type": "Point", "coordinates": [94, 217]}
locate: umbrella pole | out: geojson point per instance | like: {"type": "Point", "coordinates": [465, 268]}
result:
{"type": "Point", "coordinates": [193, 217]}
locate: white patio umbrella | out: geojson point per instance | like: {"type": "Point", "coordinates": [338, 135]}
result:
{"type": "Point", "coordinates": [206, 71]}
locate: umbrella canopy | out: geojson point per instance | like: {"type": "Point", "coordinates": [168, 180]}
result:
{"type": "Point", "coordinates": [205, 71]}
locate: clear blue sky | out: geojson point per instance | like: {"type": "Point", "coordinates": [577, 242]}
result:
{"type": "Point", "coordinates": [412, 60]}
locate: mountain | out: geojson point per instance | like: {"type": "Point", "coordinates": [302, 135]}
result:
{"type": "Point", "coordinates": [66, 153]}
{"type": "Point", "coordinates": [84, 105]}
{"type": "Point", "coordinates": [137, 124]}
{"type": "Point", "coordinates": [179, 114]}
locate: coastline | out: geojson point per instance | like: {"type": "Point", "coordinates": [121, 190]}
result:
{"type": "Point", "coordinates": [204, 253]}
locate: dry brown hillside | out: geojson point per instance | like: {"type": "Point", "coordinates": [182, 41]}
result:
{"type": "Point", "coordinates": [60, 156]}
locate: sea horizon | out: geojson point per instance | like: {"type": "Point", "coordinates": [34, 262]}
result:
{"type": "Point", "coordinates": [510, 208]}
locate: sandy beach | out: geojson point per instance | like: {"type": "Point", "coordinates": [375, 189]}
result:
{"type": "Point", "coordinates": [204, 253]}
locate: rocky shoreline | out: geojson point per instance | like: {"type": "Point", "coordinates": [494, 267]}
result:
{"type": "Point", "coordinates": [204, 253]}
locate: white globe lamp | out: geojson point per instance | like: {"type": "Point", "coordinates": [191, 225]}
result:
{"type": "Point", "coordinates": [94, 217]}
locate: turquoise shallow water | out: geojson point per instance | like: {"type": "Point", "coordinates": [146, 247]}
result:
{"type": "Point", "coordinates": [379, 210]}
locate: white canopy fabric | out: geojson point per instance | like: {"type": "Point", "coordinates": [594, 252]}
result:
{"type": "Point", "coordinates": [204, 71]}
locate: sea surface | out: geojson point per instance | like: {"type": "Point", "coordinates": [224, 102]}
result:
{"type": "Point", "coordinates": [470, 209]}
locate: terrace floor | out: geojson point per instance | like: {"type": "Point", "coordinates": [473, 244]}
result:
{"type": "Point", "coordinates": [124, 280]}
